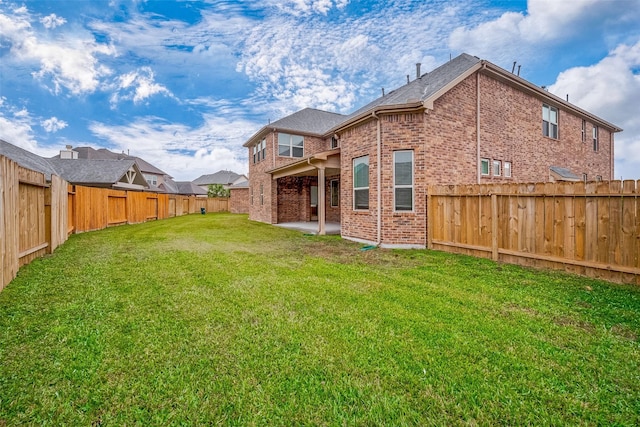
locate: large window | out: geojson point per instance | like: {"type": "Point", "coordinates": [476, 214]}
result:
{"type": "Point", "coordinates": [151, 179]}
{"type": "Point", "coordinates": [290, 145]}
{"type": "Point", "coordinates": [403, 180]}
{"type": "Point", "coordinates": [361, 183]}
{"type": "Point", "coordinates": [550, 121]}
{"type": "Point", "coordinates": [260, 151]}
{"type": "Point", "coordinates": [335, 193]}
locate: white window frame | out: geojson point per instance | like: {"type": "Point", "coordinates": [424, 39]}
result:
{"type": "Point", "coordinates": [356, 189]}
{"type": "Point", "coordinates": [403, 186]}
{"type": "Point", "coordinates": [282, 143]}
{"type": "Point", "coordinates": [584, 130]}
{"type": "Point", "coordinates": [547, 124]}
{"type": "Point", "coordinates": [498, 164]}
{"type": "Point", "coordinates": [334, 186]}
{"type": "Point", "coordinates": [596, 141]}
{"type": "Point", "coordinates": [507, 169]}
{"type": "Point", "coordinates": [488, 163]}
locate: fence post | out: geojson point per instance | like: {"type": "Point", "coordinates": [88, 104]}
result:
{"type": "Point", "coordinates": [494, 227]}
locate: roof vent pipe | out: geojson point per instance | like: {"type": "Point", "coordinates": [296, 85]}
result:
{"type": "Point", "coordinates": [407, 78]}
{"type": "Point", "coordinates": [418, 70]}
{"type": "Point", "coordinates": [382, 91]}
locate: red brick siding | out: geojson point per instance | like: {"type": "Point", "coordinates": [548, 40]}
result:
{"type": "Point", "coordinates": [356, 142]}
{"type": "Point", "coordinates": [239, 201]}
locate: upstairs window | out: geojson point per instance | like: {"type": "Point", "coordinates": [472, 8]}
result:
{"type": "Point", "coordinates": [255, 151]}
{"type": "Point", "coordinates": [549, 121]}
{"type": "Point", "coordinates": [596, 145]}
{"type": "Point", "coordinates": [290, 145]}
{"type": "Point", "coordinates": [264, 148]}
{"type": "Point", "coordinates": [403, 180]}
{"type": "Point", "coordinates": [361, 183]}
{"type": "Point", "coordinates": [497, 168]}
{"type": "Point", "coordinates": [484, 167]}
{"type": "Point", "coordinates": [507, 169]}
{"type": "Point", "coordinates": [334, 142]}
{"type": "Point", "coordinates": [584, 130]}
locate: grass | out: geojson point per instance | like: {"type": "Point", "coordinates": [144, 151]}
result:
{"type": "Point", "coordinates": [216, 320]}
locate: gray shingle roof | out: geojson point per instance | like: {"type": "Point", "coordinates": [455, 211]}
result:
{"type": "Point", "coordinates": [309, 120]}
{"type": "Point", "coordinates": [84, 171]}
{"type": "Point", "coordinates": [188, 188]}
{"type": "Point", "coordinates": [422, 88]}
{"type": "Point", "coordinates": [104, 154]}
{"type": "Point", "coordinates": [564, 173]}
{"type": "Point", "coordinates": [27, 159]}
{"type": "Point", "coordinates": [220, 177]}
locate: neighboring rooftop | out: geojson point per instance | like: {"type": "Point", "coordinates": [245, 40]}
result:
{"type": "Point", "coordinates": [221, 177]}
{"type": "Point", "coordinates": [27, 159]}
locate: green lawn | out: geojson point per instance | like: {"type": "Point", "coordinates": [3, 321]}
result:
{"type": "Point", "coordinates": [212, 319]}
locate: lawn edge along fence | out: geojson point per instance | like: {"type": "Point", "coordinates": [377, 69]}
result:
{"type": "Point", "coordinates": [591, 229]}
{"type": "Point", "coordinates": [37, 216]}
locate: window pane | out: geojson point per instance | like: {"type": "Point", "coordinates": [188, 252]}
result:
{"type": "Point", "coordinates": [403, 167]}
{"type": "Point", "coordinates": [545, 128]}
{"type": "Point", "coordinates": [553, 115]}
{"type": "Point", "coordinates": [496, 168]}
{"type": "Point", "coordinates": [314, 195]}
{"type": "Point", "coordinates": [507, 169]}
{"type": "Point", "coordinates": [298, 152]}
{"type": "Point", "coordinates": [404, 199]}
{"type": "Point", "coordinates": [297, 141]}
{"type": "Point", "coordinates": [361, 172]}
{"type": "Point", "coordinates": [545, 113]}
{"type": "Point", "coordinates": [361, 199]}
{"type": "Point", "coordinates": [283, 150]}
{"type": "Point", "coordinates": [335, 193]}
{"type": "Point", "coordinates": [484, 166]}
{"type": "Point", "coordinates": [554, 131]}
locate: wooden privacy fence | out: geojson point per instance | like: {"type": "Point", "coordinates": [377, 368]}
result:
{"type": "Point", "coordinates": [32, 217]}
{"type": "Point", "coordinates": [591, 228]}
{"type": "Point", "coordinates": [92, 208]}
{"type": "Point", "coordinates": [37, 216]}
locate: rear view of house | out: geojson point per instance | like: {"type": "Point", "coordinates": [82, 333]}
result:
{"type": "Point", "coordinates": [467, 121]}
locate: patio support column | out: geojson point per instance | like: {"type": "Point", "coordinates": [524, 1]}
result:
{"type": "Point", "coordinates": [321, 202]}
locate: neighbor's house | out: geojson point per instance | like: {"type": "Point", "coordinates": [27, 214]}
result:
{"type": "Point", "coordinates": [467, 121]}
{"type": "Point", "coordinates": [157, 180]}
{"type": "Point", "coordinates": [223, 177]}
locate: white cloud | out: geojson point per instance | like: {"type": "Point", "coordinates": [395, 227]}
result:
{"type": "Point", "coordinates": [611, 89]}
{"type": "Point", "coordinates": [306, 7]}
{"type": "Point", "coordinates": [52, 21]}
{"type": "Point", "coordinates": [515, 35]}
{"type": "Point", "coordinates": [16, 128]}
{"type": "Point", "coordinates": [180, 150]}
{"type": "Point", "coordinates": [53, 124]}
{"type": "Point", "coordinates": [70, 63]}
{"type": "Point", "coordinates": [137, 86]}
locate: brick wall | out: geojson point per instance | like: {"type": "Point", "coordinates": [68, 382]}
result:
{"type": "Point", "coordinates": [239, 201]}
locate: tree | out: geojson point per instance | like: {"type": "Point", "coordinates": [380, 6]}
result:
{"type": "Point", "coordinates": [217, 190]}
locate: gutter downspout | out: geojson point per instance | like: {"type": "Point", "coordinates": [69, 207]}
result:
{"type": "Point", "coordinates": [379, 173]}
{"type": "Point", "coordinates": [479, 168]}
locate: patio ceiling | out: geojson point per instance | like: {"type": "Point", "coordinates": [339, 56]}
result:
{"type": "Point", "coordinates": [327, 160]}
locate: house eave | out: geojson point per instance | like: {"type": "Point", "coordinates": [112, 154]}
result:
{"type": "Point", "coordinates": [327, 159]}
{"type": "Point", "coordinates": [369, 114]}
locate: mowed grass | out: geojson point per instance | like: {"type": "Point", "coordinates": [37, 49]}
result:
{"type": "Point", "coordinates": [213, 319]}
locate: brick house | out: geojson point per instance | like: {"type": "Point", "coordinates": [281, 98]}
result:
{"type": "Point", "coordinates": [467, 121]}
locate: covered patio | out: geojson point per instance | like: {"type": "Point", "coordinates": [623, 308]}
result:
{"type": "Point", "coordinates": [320, 165]}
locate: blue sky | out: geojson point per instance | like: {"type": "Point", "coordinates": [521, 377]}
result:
{"type": "Point", "coordinates": [185, 84]}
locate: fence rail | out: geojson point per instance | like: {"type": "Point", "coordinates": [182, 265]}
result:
{"type": "Point", "coordinates": [590, 228]}
{"type": "Point", "coordinates": [37, 216]}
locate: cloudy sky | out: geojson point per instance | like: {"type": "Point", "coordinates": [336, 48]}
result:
{"type": "Point", "coordinates": [183, 84]}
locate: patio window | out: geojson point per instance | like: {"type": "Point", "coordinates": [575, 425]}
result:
{"type": "Point", "coordinates": [335, 193]}
{"type": "Point", "coordinates": [290, 145]}
{"type": "Point", "coordinates": [361, 183]}
{"type": "Point", "coordinates": [403, 180]}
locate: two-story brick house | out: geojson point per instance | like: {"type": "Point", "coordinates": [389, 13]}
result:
{"type": "Point", "coordinates": [467, 121]}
